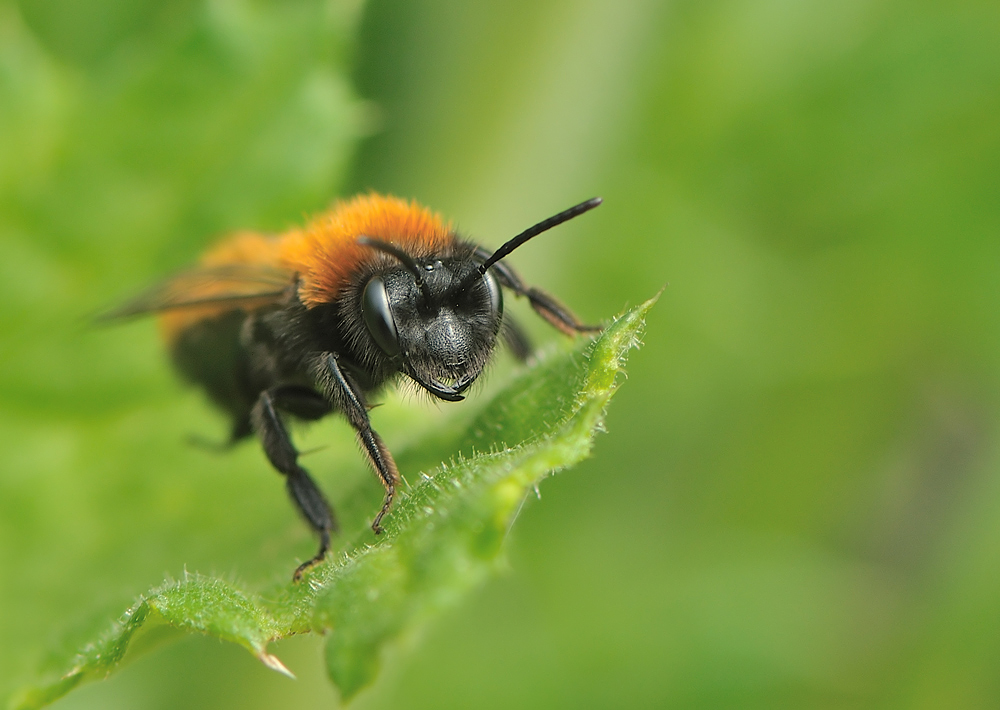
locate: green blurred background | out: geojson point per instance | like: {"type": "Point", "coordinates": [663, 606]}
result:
{"type": "Point", "coordinates": [798, 502]}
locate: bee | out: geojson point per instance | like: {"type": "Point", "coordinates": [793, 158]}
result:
{"type": "Point", "coordinates": [320, 318]}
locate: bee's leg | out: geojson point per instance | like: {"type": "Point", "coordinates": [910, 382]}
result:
{"type": "Point", "coordinates": [515, 338]}
{"type": "Point", "coordinates": [283, 456]}
{"type": "Point", "coordinates": [347, 398]}
{"type": "Point", "coordinates": [545, 305]}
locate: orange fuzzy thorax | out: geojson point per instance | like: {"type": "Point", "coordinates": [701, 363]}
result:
{"type": "Point", "coordinates": [322, 257]}
{"type": "Point", "coordinates": [325, 253]}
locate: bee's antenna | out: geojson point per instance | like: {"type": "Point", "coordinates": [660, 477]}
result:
{"type": "Point", "coordinates": [543, 226]}
{"type": "Point", "coordinates": [530, 233]}
{"type": "Point", "coordinates": [403, 257]}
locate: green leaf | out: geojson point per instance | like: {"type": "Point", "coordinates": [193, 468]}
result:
{"type": "Point", "coordinates": [444, 536]}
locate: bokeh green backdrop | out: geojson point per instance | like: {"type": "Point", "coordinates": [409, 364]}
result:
{"type": "Point", "coordinates": [798, 504]}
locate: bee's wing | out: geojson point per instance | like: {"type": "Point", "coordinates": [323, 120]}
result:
{"type": "Point", "coordinates": [238, 285]}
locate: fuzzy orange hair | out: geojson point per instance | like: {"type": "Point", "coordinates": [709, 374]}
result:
{"type": "Point", "coordinates": [323, 256]}
{"type": "Point", "coordinates": [325, 253]}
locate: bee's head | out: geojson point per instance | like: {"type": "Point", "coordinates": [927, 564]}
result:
{"type": "Point", "coordinates": [437, 317]}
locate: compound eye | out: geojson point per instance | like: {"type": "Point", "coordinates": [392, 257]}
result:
{"type": "Point", "coordinates": [496, 295]}
{"type": "Point", "coordinates": [378, 317]}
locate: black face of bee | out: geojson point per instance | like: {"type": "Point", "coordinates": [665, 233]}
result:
{"type": "Point", "coordinates": [440, 330]}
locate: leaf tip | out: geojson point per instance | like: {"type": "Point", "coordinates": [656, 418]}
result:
{"type": "Point", "coordinates": [275, 664]}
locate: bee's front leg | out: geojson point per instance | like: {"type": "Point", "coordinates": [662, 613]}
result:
{"type": "Point", "coordinates": [545, 305]}
{"type": "Point", "coordinates": [347, 397]}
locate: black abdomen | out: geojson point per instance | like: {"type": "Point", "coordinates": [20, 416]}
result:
{"type": "Point", "coordinates": [209, 353]}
